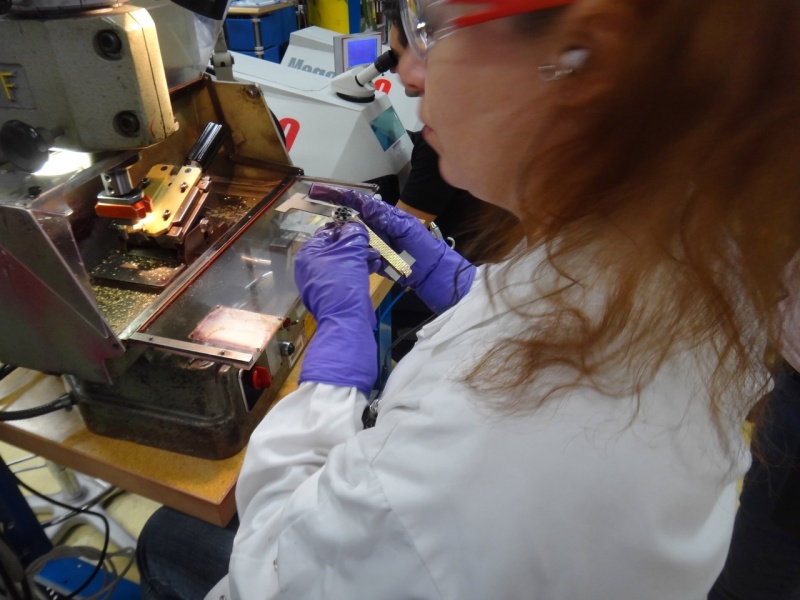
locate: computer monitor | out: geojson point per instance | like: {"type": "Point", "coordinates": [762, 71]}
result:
{"type": "Point", "coordinates": [356, 49]}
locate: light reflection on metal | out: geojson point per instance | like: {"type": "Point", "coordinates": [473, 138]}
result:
{"type": "Point", "coordinates": [64, 161]}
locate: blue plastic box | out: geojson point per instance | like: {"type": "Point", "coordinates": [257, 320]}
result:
{"type": "Point", "coordinates": [274, 29]}
{"type": "Point", "coordinates": [240, 32]}
{"type": "Point", "coordinates": [289, 21]}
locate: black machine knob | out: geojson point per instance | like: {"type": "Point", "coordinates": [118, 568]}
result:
{"type": "Point", "coordinates": [25, 146]}
{"type": "Point", "coordinates": [286, 348]}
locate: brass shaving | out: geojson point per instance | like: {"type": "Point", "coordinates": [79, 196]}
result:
{"type": "Point", "coordinates": [120, 306]}
{"type": "Point", "coordinates": [231, 208]}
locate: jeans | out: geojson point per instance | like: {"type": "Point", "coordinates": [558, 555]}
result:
{"type": "Point", "coordinates": [764, 558]}
{"type": "Point", "coordinates": [181, 557]}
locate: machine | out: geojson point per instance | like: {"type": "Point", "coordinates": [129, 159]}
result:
{"type": "Point", "coordinates": [326, 53]}
{"type": "Point", "coordinates": [143, 252]}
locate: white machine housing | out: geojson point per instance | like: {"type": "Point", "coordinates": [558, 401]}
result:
{"type": "Point", "coordinates": [311, 50]}
{"type": "Point", "coordinates": [43, 59]}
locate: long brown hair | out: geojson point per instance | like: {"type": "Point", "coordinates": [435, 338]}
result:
{"type": "Point", "coordinates": [679, 198]}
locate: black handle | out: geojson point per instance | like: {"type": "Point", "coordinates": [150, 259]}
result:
{"type": "Point", "coordinates": [207, 146]}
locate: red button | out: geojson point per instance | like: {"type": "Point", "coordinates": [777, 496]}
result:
{"type": "Point", "coordinates": [261, 378]}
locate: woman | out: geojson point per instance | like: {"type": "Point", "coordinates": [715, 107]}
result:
{"type": "Point", "coordinates": [568, 428]}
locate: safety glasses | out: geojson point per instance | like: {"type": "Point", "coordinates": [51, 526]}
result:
{"type": "Point", "coordinates": [428, 21]}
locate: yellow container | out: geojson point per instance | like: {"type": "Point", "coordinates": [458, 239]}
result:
{"type": "Point", "coordinates": [343, 16]}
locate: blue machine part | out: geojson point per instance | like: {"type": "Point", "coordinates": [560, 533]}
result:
{"type": "Point", "coordinates": [63, 575]}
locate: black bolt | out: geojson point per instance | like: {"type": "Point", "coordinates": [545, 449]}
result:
{"type": "Point", "coordinates": [34, 191]}
{"type": "Point", "coordinates": [127, 123]}
{"type": "Point", "coordinates": [108, 45]}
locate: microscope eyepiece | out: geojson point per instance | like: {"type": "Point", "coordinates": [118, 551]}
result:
{"type": "Point", "coordinates": [386, 61]}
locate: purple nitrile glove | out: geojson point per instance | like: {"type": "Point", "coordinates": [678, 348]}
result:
{"type": "Point", "coordinates": [439, 275]}
{"type": "Point", "coordinates": [332, 273]}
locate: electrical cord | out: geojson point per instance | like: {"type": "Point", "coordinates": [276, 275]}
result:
{"type": "Point", "coordinates": [25, 459]}
{"type": "Point", "coordinates": [10, 573]}
{"type": "Point", "coordinates": [63, 402]}
{"type": "Point", "coordinates": [106, 494]}
{"type": "Point", "coordinates": [106, 536]}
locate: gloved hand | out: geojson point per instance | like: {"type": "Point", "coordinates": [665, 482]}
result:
{"type": "Point", "coordinates": [440, 276]}
{"type": "Point", "coordinates": [332, 274]}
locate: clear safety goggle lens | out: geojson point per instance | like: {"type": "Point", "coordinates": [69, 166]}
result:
{"type": "Point", "coordinates": [416, 28]}
{"type": "Point", "coordinates": [427, 21]}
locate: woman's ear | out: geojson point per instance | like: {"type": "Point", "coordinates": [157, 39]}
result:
{"type": "Point", "coordinates": [594, 38]}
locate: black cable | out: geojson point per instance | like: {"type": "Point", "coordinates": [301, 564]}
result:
{"type": "Point", "coordinates": [11, 570]}
{"type": "Point", "coordinates": [106, 537]}
{"type": "Point", "coordinates": [106, 495]}
{"type": "Point", "coordinates": [9, 583]}
{"type": "Point", "coordinates": [64, 401]}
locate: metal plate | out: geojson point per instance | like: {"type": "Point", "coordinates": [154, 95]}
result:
{"type": "Point", "coordinates": [137, 271]}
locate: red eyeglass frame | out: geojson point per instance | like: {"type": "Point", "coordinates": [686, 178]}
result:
{"type": "Point", "coordinates": [502, 9]}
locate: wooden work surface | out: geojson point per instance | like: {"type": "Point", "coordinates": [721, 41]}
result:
{"type": "Point", "coordinates": [199, 487]}
{"type": "Point", "coordinates": [256, 11]}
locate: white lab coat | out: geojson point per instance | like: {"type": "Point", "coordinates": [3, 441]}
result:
{"type": "Point", "coordinates": [790, 314]}
{"type": "Point", "coordinates": [446, 498]}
